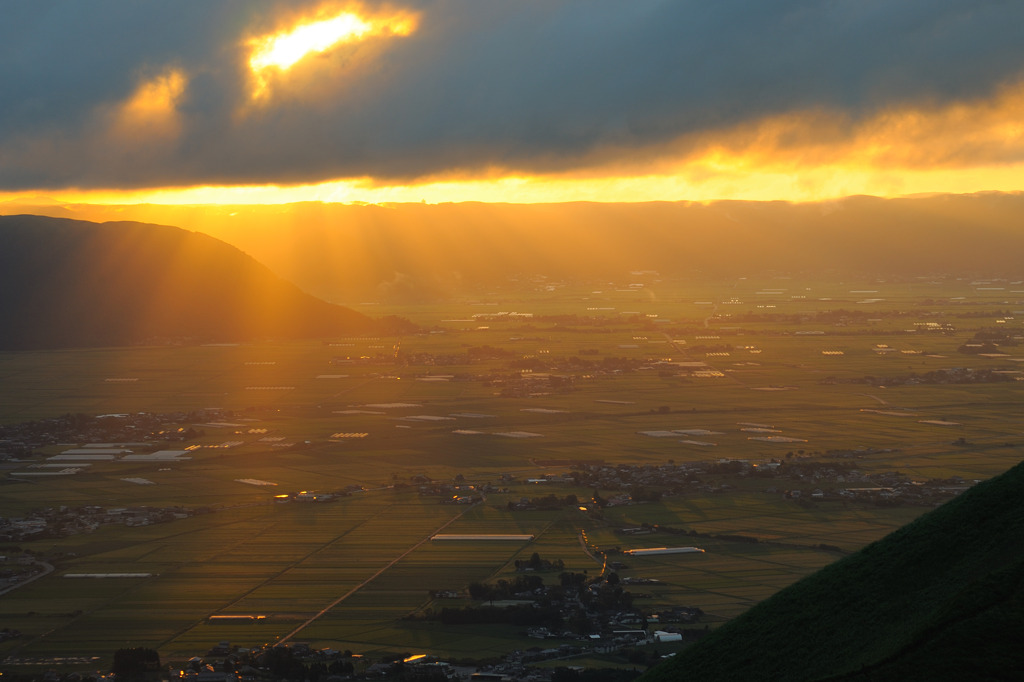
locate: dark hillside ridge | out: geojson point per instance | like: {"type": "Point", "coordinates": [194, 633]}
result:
{"type": "Point", "coordinates": [71, 283]}
{"type": "Point", "coordinates": [940, 599]}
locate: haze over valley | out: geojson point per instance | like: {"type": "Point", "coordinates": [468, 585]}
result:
{"type": "Point", "coordinates": [561, 342]}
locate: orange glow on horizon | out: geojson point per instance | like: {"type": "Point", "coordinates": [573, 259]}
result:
{"type": "Point", "coordinates": [962, 147]}
{"type": "Point", "coordinates": [817, 184]}
{"type": "Point", "coordinates": [702, 183]}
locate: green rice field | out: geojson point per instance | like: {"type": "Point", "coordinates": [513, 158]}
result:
{"type": "Point", "coordinates": [592, 377]}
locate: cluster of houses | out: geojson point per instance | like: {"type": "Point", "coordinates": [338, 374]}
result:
{"type": "Point", "coordinates": [953, 375]}
{"type": "Point", "coordinates": [227, 663]}
{"type": "Point", "coordinates": [140, 428]}
{"type": "Point", "coordinates": [63, 521]}
{"type": "Point", "coordinates": [806, 476]}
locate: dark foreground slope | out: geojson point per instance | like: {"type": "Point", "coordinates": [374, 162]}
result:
{"type": "Point", "coordinates": [66, 283]}
{"type": "Point", "coordinates": [940, 599]}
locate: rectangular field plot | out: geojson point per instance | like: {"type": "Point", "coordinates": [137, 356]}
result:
{"type": "Point", "coordinates": [241, 553]}
{"type": "Point", "coordinates": [723, 582]}
{"type": "Point", "coordinates": [768, 517]}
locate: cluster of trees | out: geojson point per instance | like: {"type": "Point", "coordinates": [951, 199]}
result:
{"type": "Point", "coordinates": [609, 596]}
{"type": "Point", "coordinates": [594, 675]}
{"type": "Point", "coordinates": [987, 341]}
{"type": "Point", "coordinates": [505, 589]}
{"type": "Point", "coordinates": [535, 563]}
{"type": "Point", "coordinates": [546, 502]}
{"type": "Point", "coordinates": [141, 664]}
{"type": "Point", "coordinates": [587, 597]}
{"type": "Point", "coordinates": [592, 594]}
{"type": "Point", "coordinates": [282, 663]}
{"type": "Point", "coordinates": [137, 663]}
{"type": "Point", "coordinates": [522, 615]}
{"type": "Point", "coordinates": [939, 376]}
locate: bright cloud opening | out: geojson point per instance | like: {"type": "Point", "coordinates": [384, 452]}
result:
{"type": "Point", "coordinates": [281, 51]}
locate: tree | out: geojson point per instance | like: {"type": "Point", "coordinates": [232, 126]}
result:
{"type": "Point", "coordinates": [480, 591]}
{"type": "Point", "coordinates": [339, 667]}
{"type": "Point", "coordinates": [134, 663]}
{"type": "Point", "coordinates": [573, 580]}
{"type": "Point", "coordinates": [281, 662]}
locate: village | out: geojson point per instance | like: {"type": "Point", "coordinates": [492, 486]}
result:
{"type": "Point", "coordinates": [652, 458]}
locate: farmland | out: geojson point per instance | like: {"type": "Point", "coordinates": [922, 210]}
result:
{"type": "Point", "coordinates": [610, 388]}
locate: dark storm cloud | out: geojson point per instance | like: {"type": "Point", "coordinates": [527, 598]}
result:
{"type": "Point", "coordinates": [529, 85]}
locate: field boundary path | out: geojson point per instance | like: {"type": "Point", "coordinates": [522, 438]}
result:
{"type": "Point", "coordinates": [586, 550]}
{"type": "Point", "coordinates": [363, 584]}
{"type": "Point", "coordinates": [47, 569]}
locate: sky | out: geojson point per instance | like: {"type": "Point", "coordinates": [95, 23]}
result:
{"type": "Point", "coordinates": [273, 101]}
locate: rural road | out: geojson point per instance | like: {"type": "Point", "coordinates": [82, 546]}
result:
{"type": "Point", "coordinates": [47, 569]}
{"type": "Point", "coordinates": [586, 550]}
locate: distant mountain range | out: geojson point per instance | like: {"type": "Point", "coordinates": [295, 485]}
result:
{"type": "Point", "coordinates": [67, 283]}
{"type": "Point", "coordinates": [408, 252]}
{"type": "Point", "coordinates": [940, 599]}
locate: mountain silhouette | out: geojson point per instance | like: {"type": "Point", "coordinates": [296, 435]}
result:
{"type": "Point", "coordinates": [71, 283]}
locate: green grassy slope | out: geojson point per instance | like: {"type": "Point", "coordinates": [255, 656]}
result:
{"type": "Point", "coordinates": [940, 598]}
